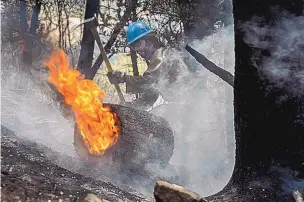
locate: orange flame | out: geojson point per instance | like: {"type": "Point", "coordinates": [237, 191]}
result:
{"type": "Point", "coordinates": [98, 125]}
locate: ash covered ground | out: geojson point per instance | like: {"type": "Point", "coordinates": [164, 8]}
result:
{"type": "Point", "coordinates": [30, 173]}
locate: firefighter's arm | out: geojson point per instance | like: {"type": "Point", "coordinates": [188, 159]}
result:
{"type": "Point", "coordinates": [134, 84]}
{"type": "Point", "coordinates": [139, 84]}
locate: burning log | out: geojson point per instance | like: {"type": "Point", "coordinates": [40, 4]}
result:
{"type": "Point", "coordinates": [144, 138]}
{"type": "Point", "coordinates": [109, 131]}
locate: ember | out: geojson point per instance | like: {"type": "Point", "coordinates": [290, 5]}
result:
{"type": "Point", "coordinates": [98, 124]}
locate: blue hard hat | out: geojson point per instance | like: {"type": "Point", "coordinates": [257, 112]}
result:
{"type": "Point", "coordinates": [136, 30]}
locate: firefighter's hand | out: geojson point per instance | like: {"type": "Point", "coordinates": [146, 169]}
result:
{"type": "Point", "coordinates": [116, 77]}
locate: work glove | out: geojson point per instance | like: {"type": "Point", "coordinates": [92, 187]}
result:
{"type": "Point", "coordinates": [116, 77]}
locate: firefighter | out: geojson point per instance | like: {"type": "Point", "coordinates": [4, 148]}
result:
{"type": "Point", "coordinates": [166, 73]}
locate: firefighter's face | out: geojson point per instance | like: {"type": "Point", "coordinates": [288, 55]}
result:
{"type": "Point", "coordinates": [143, 48]}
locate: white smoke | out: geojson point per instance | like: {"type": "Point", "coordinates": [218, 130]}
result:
{"type": "Point", "coordinates": [282, 43]}
{"type": "Point", "coordinates": [203, 154]}
{"type": "Point", "coordinates": [284, 40]}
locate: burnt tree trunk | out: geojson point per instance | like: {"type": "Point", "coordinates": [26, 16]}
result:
{"type": "Point", "coordinates": [269, 135]}
{"type": "Point", "coordinates": [144, 138]}
{"type": "Point", "coordinates": [28, 32]}
{"type": "Point", "coordinates": [26, 54]}
{"type": "Point", "coordinates": [87, 42]}
{"type": "Point", "coordinates": [35, 16]}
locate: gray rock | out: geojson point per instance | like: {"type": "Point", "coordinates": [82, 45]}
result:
{"type": "Point", "coordinates": [165, 192]}
{"type": "Point", "coordinates": [92, 198]}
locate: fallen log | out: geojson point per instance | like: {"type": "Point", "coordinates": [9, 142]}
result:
{"type": "Point", "coordinates": [144, 138]}
{"type": "Point", "coordinates": [223, 74]}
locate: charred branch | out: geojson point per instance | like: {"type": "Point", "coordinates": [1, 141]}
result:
{"type": "Point", "coordinates": [223, 74]}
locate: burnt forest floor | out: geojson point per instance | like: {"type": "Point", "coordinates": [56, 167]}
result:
{"type": "Point", "coordinates": [28, 174]}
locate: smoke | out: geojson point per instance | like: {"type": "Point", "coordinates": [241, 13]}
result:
{"type": "Point", "coordinates": [284, 43]}
{"type": "Point", "coordinates": [281, 43]}
{"type": "Point", "coordinates": [201, 115]}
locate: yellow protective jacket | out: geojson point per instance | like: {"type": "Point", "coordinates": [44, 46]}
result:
{"type": "Point", "coordinates": [167, 75]}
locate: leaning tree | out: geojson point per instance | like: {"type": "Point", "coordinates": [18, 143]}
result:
{"type": "Point", "coordinates": [268, 112]}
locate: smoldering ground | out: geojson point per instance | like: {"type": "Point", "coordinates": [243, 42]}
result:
{"type": "Point", "coordinates": [202, 138]}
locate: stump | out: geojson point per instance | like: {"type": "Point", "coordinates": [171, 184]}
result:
{"type": "Point", "coordinates": [144, 138]}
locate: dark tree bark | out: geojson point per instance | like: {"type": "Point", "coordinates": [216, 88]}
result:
{"type": "Point", "coordinates": [223, 74]}
{"type": "Point", "coordinates": [35, 15]}
{"type": "Point", "coordinates": [26, 53]}
{"type": "Point", "coordinates": [87, 42]}
{"type": "Point", "coordinates": [268, 134]}
{"type": "Point", "coordinates": [144, 138]}
{"type": "Point", "coordinates": [28, 32]}
{"type": "Point", "coordinates": [131, 7]}
{"type": "Point", "coordinates": [23, 17]}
